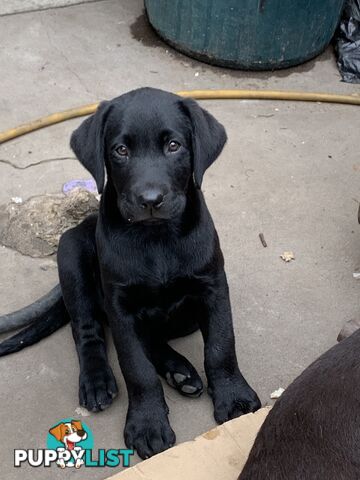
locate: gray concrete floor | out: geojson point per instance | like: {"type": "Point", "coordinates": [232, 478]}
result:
{"type": "Point", "coordinates": [10, 7]}
{"type": "Point", "coordinates": [290, 170]}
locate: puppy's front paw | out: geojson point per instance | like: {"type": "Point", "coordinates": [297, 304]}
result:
{"type": "Point", "coordinates": [233, 397]}
{"type": "Point", "coordinates": [61, 463]}
{"type": "Point", "coordinates": [97, 388]}
{"type": "Point", "coordinates": [148, 431]}
{"type": "Point", "coordinates": [79, 462]}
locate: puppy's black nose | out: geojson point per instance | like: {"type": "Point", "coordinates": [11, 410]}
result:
{"type": "Point", "coordinates": [81, 433]}
{"type": "Point", "coordinates": [151, 199]}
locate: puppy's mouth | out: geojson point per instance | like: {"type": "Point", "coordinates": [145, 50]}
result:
{"type": "Point", "coordinates": [151, 217]}
{"type": "Point", "coordinates": [70, 445]}
{"type": "Point", "coordinates": [151, 220]}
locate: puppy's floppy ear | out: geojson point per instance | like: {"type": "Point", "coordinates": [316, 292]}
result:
{"type": "Point", "coordinates": [208, 138]}
{"type": "Point", "coordinates": [88, 144]}
{"type": "Point", "coordinates": [77, 424]}
{"type": "Point", "coordinates": [57, 431]}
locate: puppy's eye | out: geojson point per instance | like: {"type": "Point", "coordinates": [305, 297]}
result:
{"type": "Point", "coordinates": [122, 151]}
{"type": "Point", "coordinates": [173, 146]}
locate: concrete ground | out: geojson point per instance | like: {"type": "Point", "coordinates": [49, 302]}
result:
{"type": "Point", "coordinates": [290, 170]}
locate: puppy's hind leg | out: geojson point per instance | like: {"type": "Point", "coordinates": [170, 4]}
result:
{"type": "Point", "coordinates": [175, 369]}
{"type": "Point", "coordinates": [79, 279]}
{"type": "Point", "coordinates": [182, 320]}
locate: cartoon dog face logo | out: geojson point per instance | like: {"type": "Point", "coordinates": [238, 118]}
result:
{"type": "Point", "coordinates": [69, 433]}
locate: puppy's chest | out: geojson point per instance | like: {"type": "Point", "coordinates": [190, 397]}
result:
{"type": "Point", "coordinates": [156, 279]}
{"type": "Point", "coordinates": [164, 296]}
{"type": "Point", "coordinates": [157, 270]}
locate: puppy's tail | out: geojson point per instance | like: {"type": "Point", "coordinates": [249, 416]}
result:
{"type": "Point", "coordinates": [41, 319]}
{"type": "Point", "coordinates": [23, 317]}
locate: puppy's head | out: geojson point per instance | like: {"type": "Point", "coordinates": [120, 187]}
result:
{"type": "Point", "coordinates": [69, 433]}
{"type": "Point", "coordinates": [152, 144]}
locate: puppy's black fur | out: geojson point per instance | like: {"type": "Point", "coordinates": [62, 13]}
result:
{"type": "Point", "coordinates": [150, 263]}
{"type": "Point", "coordinates": [313, 431]}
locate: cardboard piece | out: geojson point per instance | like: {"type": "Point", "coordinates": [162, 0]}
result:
{"type": "Point", "coordinates": [219, 453]}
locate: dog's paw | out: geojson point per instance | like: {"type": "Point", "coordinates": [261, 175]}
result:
{"type": "Point", "coordinates": [187, 383]}
{"type": "Point", "coordinates": [148, 432]}
{"type": "Point", "coordinates": [233, 397]}
{"type": "Point", "coordinates": [79, 462]}
{"type": "Point", "coordinates": [97, 388]}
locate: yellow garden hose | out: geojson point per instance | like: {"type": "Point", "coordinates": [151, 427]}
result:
{"type": "Point", "coordinates": [197, 94]}
{"type": "Point", "coordinates": [47, 121]}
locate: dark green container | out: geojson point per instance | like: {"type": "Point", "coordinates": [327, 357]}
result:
{"type": "Point", "coordinates": [247, 34]}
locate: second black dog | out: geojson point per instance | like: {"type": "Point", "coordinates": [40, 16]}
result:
{"type": "Point", "coordinates": [150, 263]}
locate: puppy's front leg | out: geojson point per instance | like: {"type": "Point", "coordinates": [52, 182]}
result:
{"type": "Point", "coordinates": [232, 396]}
{"type": "Point", "coordinates": [80, 288]}
{"type": "Point", "coordinates": [147, 426]}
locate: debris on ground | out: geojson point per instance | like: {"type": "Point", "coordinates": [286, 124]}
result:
{"type": "Point", "coordinates": [82, 411]}
{"type": "Point", "coordinates": [277, 393]}
{"type": "Point", "coordinates": [88, 184]}
{"type": "Point", "coordinates": [288, 256]}
{"type": "Point", "coordinates": [348, 329]}
{"type": "Point", "coordinates": [34, 227]}
{"type": "Point", "coordinates": [49, 265]}
{"type": "Point", "coordinates": [356, 275]}
{"type": "Point", "coordinates": [263, 115]}
{"type": "Point", "coordinates": [262, 240]}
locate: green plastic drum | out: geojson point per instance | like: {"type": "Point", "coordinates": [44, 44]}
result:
{"type": "Point", "coordinates": [247, 34]}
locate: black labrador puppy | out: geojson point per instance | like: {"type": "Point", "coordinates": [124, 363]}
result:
{"type": "Point", "coordinates": [150, 263]}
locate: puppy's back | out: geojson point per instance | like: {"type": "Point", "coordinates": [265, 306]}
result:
{"type": "Point", "coordinates": [313, 431]}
